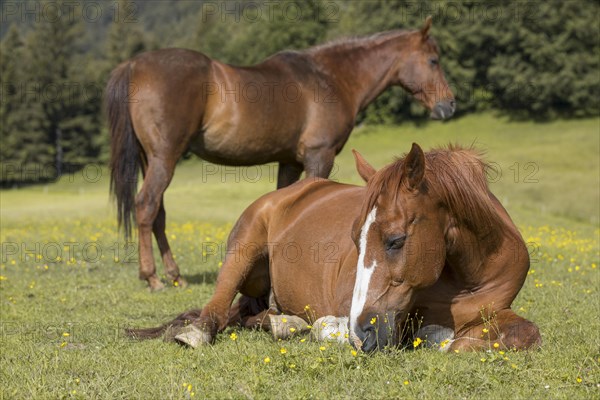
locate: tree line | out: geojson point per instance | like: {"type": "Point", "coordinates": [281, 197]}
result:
{"type": "Point", "coordinates": [530, 60]}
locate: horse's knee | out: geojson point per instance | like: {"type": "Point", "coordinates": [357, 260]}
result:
{"type": "Point", "coordinates": [521, 335]}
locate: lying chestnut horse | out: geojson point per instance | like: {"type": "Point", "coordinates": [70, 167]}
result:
{"type": "Point", "coordinates": [424, 237]}
{"type": "Point", "coordinates": [295, 108]}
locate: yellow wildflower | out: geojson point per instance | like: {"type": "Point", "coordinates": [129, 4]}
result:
{"type": "Point", "coordinates": [283, 350]}
{"type": "Point", "coordinates": [233, 336]}
{"type": "Point", "coordinates": [496, 345]}
{"type": "Point", "coordinates": [417, 342]}
{"type": "Point", "coordinates": [267, 360]}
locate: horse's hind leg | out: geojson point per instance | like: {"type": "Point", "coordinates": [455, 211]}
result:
{"type": "Point", "coordinates": [506, 330]}
{"type": "Point", "coordinates": [148, 204]}
{"type": "Point", "coordinates": [158, 228]}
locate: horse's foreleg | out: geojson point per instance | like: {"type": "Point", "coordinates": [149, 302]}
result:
{"type": "Point", "coordinates": [165, 250]}
{"type": "Point", "coordinates": [245, 266]}
{"type": "Point", "coordinates": [505, 331]}
{"type": "Point", "coordinates": [318, 162]}
{"type": "Point", "coordinates": [288, 173]}
{"type": "Point", "coordinates": [147, 205]}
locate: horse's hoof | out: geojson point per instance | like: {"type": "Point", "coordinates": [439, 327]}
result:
{"type": "Point", "coordinates": [180, 282]}
{"type": "Point", "coordinates": [171, 332]}
{"type": "Point", "coordinates": [155, 284]}
{"type": "Point", "coordinates": [331, 328]}
{"type": "Point", "coordinates": [286, 326]}
{"type": "Point", "coordinates": [193, 337]}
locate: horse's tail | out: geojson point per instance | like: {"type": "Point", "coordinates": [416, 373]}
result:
{"type": "Point", "coordinates": [181, 320]}
{"type": "Point", "coordinates": [124, 147]}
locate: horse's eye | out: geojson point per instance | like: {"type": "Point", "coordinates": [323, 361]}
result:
{"type": "Point", "coordinates": [395, 242]}
{"type": "Point", "coordinates": [433, 62]}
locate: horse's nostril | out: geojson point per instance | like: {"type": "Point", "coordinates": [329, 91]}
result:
{"type": "Point", "coordinates": [369, 340]}
{"type": "Point", "coordinates": [452, 104]}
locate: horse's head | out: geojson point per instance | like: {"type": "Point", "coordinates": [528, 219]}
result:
{"type": "Point", "coordinates": [401, 247]}
{"type": "Point", "coordinates": [421, 74]}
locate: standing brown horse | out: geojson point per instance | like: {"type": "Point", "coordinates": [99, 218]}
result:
{"type": "Point", "coordinates": [295, 108]}
{"type": "Point", "coordinates": [425, 236]}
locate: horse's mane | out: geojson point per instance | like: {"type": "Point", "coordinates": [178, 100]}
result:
{"type": "Point", "coordinates": [351, 42]}
{"type": "Point", "coordinates": [357, 41]}
{"type": "Point", "coordinates": [457, 177]}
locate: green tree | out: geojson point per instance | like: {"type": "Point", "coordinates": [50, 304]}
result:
{"type": "Point", "coordinates": [547, 62]}
{"type": "Point", "coordinates": [125, 36]}
{"type": "Point", "coordinates": [53, 51]}
{"type": "Point", "coordinates": [25, 150]}
{"type": "Point", "coordinates": [260, 29]}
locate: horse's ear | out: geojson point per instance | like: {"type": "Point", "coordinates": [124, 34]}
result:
{"type": "Point", "coordinates": [365, 170]}
{"type": "Point", "coordinates": [414, 167]}
{"type": "Point", "coordinates": [426, 27]}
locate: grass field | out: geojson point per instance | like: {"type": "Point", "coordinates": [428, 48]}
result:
{"type": "Point", "coordinates": [68, 284]}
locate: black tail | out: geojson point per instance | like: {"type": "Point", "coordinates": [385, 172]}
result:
{"type": "Point", "coordinates": [124, 147]}
{"type": "Point", "coordinates": [152, 333]}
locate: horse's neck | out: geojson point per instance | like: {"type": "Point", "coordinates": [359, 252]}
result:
{"type": "Point", "coordinates": [469, 259]}
{"type": "Point", "coordinates": [364, 69]}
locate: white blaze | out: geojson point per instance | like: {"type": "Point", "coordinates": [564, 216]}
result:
{"type": "Point", "coordinates": [363, 273]}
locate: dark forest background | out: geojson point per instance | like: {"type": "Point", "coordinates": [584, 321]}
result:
{"type": "Point", "coordinates": [529, 60]}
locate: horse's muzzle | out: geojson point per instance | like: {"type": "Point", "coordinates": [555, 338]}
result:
{"type": "Point", "coordinates": [443, 109]}
{"type": "Point", "coordinates": [373, 336]}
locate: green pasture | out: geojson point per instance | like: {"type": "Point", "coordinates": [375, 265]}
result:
{"type": "Point", "coordinates": [68, 283]}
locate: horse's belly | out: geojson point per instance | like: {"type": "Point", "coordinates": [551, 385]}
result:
{"type": "Point", "coordinates": [233, 146]}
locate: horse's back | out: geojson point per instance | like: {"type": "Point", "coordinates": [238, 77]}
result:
{"type": "Point", "coordinates": [168, 60]}
{"type": "Point", "coordinates": [308, 198]}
